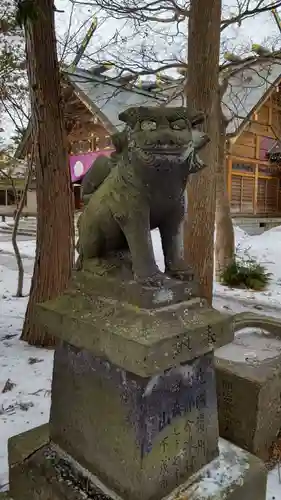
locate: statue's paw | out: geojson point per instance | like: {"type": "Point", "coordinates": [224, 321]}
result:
{"type": "Point", "coordinates": [181, 274]}
{"type": "Point", "coordinates": [154, 280]}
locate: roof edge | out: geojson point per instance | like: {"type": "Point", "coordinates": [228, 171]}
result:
{"type": "Point", "coordinates": [93, 108]}
{"type": "Point", "coordinates": [235, 135]}
{"type": "Point", "coordinates": [114, 83]}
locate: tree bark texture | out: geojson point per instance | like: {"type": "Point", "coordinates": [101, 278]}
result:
{"type": "Point", "coordinates": [54, 250]}
{"type": "Point", "coordinates": [202, 95]}
{"type": "Point", "coordinates": [224, 244]}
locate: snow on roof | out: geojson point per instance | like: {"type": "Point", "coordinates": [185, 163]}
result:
{"type": "Point", "coordinates": [110, 97]}
{"type": "Point", "coordinates": [244, 92]}
{"type": "Point", "coordinates": [107, 96]}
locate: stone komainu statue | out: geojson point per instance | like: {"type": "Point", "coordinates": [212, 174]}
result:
{"type": "Point", "coordinates": [141, 187]}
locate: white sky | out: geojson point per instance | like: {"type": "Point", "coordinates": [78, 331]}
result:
{"type": "Point", "coordinates": [259, 29]}
{"type": "Point", "coordinates": [117, 39]}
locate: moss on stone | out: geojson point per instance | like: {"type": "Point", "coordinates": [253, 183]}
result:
{"type": "Point", "coordinates": [140, 340]}
{"type": "Point", "coordinates": [23, 445]}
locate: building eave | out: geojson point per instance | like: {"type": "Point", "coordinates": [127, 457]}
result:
{"type": "Point", "coordinates": [235, 135]}
{"type": "Point", "coordinates": [91, 106]}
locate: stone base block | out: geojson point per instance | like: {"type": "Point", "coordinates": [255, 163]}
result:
{"type": "Point", "coordinates": [43, 472]}
{"type": "Point", "coordinates": [119, 281]}
{"type": "Point", "coordinates": [143, 330]}
{"type": "Point", "coordinates": [248, 375]}
{"type": "Point", "coordinates": [141, 436]}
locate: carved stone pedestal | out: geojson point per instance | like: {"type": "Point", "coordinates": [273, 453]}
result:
{"type": "Point", "coordinates": [134, 409]}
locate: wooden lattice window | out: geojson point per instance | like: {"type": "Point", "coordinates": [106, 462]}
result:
{"type": "Point", "coordinates": [247, 195]}
{"type": "Point", "coordinates": [235, 199]}
{"type": "Point", "coordinates": [268, 195]}
{"type": "Point", "coordinates": [242, 194]}
{"type": "Point", "coordinates": [261, 196]}
{"type": "Point", "coordinates": [272, 194]}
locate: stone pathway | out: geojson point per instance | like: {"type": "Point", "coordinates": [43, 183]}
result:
{"type": "Point", "coordinates": [9, 261]}
{"type": "Point", "coordinates": [27, 226]}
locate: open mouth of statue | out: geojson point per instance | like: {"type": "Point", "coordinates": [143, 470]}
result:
{"type": "Point", "coordinates": [164, 149]}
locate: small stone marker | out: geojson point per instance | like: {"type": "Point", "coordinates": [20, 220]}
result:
{"type": "Point", "coordinates": [248, 374]}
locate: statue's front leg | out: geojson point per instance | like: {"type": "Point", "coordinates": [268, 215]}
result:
{"type": "Point", "coordinates": [171, 232]}
{"type": "Point", "coordinates": [136, 228]}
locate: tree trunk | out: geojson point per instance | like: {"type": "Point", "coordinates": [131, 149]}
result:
{"type": "Point", "coordinates": [225, 244]}
{"type": "Point", "coordinates": [53, 260]}
{"type": "Point", "coordinates": [19, 292]}
{"type": "Point", "coordinates": [202, 94]}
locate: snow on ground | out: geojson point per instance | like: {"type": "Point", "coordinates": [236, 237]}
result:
{"type": "Point", "coordinates": [274, 485]}
{"type": "Point", "coordinates": [26, 404]}
{"type": "Point", "coordinates": [266, 247]}
{"type": "Point", "coordinates": [25, 372]}
{"type": "Point", "coordinates": [3, 224]}
{"type": "Point", "coordinates": [26, 248]}
{"type": "Point", "coordinates": [9, 221]}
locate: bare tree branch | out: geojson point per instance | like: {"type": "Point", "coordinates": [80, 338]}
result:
{"type": "Point", "coordinates": [170, 11]}
{"type": "Point", "coordinates": [245, 11]}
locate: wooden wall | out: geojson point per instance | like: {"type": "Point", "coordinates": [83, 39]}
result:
{"type": "Point", "coordinates": [89, 137]}
{"type": "Point", "coordinates": [253, 182]}
{"type": "Point", "coordinates": [87, 133]}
